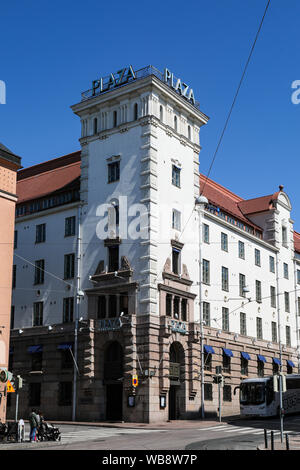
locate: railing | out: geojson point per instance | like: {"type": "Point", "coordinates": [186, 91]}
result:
{"type": "Point", "coordinates": [139, 75]}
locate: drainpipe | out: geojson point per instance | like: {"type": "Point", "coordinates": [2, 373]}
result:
{"type": "Point", "coordinates": [297, 313]}
{"type": "Point", "coordinates": [78, 296]}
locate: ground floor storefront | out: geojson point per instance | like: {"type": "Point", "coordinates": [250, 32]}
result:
{"type": "Point", "coordinates": [163, 355]}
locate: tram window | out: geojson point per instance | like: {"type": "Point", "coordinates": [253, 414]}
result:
{"type": "Point", "coordinates": [292, 384]}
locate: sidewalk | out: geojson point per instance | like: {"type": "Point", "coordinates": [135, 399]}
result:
{"type": "Point", "coordinates": [293, 443]}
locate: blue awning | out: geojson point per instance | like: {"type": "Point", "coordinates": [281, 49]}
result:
{"type": "Point", "coordinates": [228, 352]}
{"type": "Point", "coordinates": [261, 358]}
{"type": "Point", "coordinates": [64, 346]}
{"type": "Point", "coordinates": [246, 356]}
{"type": "Point", "coordinates": [209, 349]}
{"type": "Point", "coordinates": [276, 361]}
{"type": "Point", "coordinates": [290, 363]}
{"type": "Point", "coordinates": [35, 349]}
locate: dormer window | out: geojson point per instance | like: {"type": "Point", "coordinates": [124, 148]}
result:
{"type": "Point", "coordinates": [95, 125]}
{"type": "Point", "coordinates": [284, 235]}
{"type": "Point", "coordinates": [135, 112]}
{"type": "Point", "coordinates": [175, 123]}
{"type": "Point", "coordinates": [115, 119]}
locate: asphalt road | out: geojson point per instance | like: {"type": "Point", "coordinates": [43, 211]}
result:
{"type": "Point", "coordinates": [234, 435]}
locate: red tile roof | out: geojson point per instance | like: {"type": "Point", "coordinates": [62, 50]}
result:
{"type": "Point", "coordinates": [48, 177]}
{"type": "Point", "coordinates": [297, 241]}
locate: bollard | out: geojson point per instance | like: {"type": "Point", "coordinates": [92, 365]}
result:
{"type": "Point", "coordinates": [272, 440]}
{"type": "Point", "coordinates": [266, 438]}
{"type": "Point", "coordinates": [287, 442]}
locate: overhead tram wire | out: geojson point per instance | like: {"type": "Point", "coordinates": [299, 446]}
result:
{"type": "Point", "coordinates": [235, 96]}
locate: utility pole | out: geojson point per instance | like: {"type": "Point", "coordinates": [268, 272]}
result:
{"type": "Point", "coordinates": [200, 203]}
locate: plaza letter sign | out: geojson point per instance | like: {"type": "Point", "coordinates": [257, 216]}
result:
{"type": "Point", "coordinates": [179, 86]}
{"type": "Point", "coordinates": [114, 80]}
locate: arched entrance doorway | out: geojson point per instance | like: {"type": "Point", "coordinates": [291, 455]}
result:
{"type": "Point", "coordinates": [177, 385]}
{"type": "Point", "coordinates": [113, 380]}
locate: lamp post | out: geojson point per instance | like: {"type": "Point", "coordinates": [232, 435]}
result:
{"type": "Point", "coordinates": [200, 203]}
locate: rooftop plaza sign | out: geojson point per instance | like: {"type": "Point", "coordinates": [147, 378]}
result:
{"type": "Point", "coordinates": [128, 74]}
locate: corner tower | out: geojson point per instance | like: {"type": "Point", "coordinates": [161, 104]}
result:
{"type": "Point", "coordinates": [139, 179]}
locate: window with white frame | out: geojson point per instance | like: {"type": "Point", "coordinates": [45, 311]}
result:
{"type": "Point", "coordinates": [176, 219]}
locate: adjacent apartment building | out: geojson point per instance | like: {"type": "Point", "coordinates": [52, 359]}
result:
{"type": "Point", "coordinates": [9, 164]}
{"type": "Point", "coordinates": [113, 267]}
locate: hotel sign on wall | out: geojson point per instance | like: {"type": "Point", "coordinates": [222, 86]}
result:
{"type": "Point", "coordinates": [127, 74]}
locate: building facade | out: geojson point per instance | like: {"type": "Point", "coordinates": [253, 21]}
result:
{"type": "Point", "coordinates": [114, 267]}
{"type": "Point", "coordinates": [9, 164]}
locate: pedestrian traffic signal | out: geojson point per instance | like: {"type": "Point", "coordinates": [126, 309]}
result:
{"type": "Point", "coordinates": [135, 381]}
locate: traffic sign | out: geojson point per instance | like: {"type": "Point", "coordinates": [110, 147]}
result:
{"type": "Point", "coordinates": [9, 387]}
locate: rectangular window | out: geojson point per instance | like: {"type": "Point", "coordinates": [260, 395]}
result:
{"type": "Point", "coordinates": [288, 335]}
{"type": "Point", "coordinates": [40, 233]}
{"type": "Point", "coordinates": [226, 363]}
{"type": "Point", "coordinates": [113, 258]}
{"type": "Point", "coordinates": [207, 361]}
{"type": "Point", "coordinates": [243, 324]}
{"type": "Point", "coordinates": [208, 392]}
{"type": "Point", "coordinates": [69, 266]}
{"type": "Point", "coordinates": [285, 270]}
{"type": "Point", "coordinates": [176, 261]}
{"type": "Point", "coordinates": [66, 358]}
{"type": "Point", "coordinates": [65, 394]}
{"type": "Point", "coordinates": [35, 394]}
{"type": "Point", "coordinates": [225, 279]}
{"type": "Point", "coordinates": [12, 317]}
{"type": "Point", "coordinates": [257, 257]}
{"type": "Point", "coordinates": [14, 276]}
{"type": "Point", "coordinates": [176, 219]}
{"type": "Point", "coordinates": [113, 172]}
{"type": "Point", "coordinates": [101, 307]}
{"type": "Point", "coordinates": [241, 250]}
{"type": "Point", "coordinates": [260, 368]}
{"type": "Point", "coordinates": [284, 236]}
{"type": "Point", "coordinates": [169, 305]}
{"type": "Point", "coordinates": [68, 309]}
{"type": "Point", "coordinates": [184, 310]}
{"type": "Point", "coordinates": [206, 313]}
{"type": "Point", "coordinates": [258, 291]}
{"type": "Point", "coordinates": [244, 366]}
{"type": "Point", "coordinates": [70, 226]}
{"type": "Point", "coordinates": [176, 176]}
{"type": "Point", "coordinates": [274, 331]}
{"type": "Point", "coordinates": [39, 270]}
{"type": "Point", "coordinates": [242, 284]}
{"type": "Point", "coordinates": [227, 393]}
{"type": "Point", "coordinates": [205, 272]}
{"type": "Point", "coordinates": [38, 308]}
{"type": "Point", "coordinates": [298, 276]}
{"type": "Point", "coordinates": [37, 361]}
{"type": "Point", "coordinates": [224, 242]}
{"type": "Point", "coordinates": [225, 319]}
{"type": "Point", "coordinates": [206, 233]}
{"type": "Point", "coordinates": [259, 332]}
{"type": "Point", "coordinates": [16, 239]}
{"type": "Point", "coordinates": [287, 301]}
{"type": "Point", "coordinates": [273, 296]}
{"type": "Point", "coordinates": [272, 264]}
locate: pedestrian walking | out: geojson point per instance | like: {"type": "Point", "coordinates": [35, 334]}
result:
{"type": "Point", "coordinates": [33, 421]}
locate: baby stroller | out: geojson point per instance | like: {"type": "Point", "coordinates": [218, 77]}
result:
{"type": "Point", "coordinates": [48, 432]}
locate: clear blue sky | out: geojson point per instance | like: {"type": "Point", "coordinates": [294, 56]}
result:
{"type": "Point", "coordinates": [52, 50]}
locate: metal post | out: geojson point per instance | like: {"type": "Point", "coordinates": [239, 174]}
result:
{"type": "Point", "coordinates": [280, 348]}
{"type": "Point", "coordinates": [287, 442]}
{"type": "Point", "coordinates": [17, 405]}
{"type": "Point", "coordinates": [220, 405]}
{"type": "Point", "coordinates": [272, 440]}
{"type": "Point", "coordinates": [266, 438]}
{"type": "Point", "coordinates": [75, 371]}
{"type": "Point", "coordinates": [200, 312]}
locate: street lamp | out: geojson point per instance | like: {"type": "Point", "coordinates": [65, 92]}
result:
{"type": "Point", "coordinates": [200, 203]}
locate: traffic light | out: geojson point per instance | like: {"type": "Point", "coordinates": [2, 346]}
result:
{"type": "Point", "coordinates": [219, 379]}
{"type": "Point", "coordinates": [135, 381]}
{"type": "Point", "coordinates": [3, 375]}
{"type": "Point", "coordinates": [19, 382]}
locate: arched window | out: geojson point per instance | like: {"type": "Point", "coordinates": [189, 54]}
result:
{"type": "Point", "coordinates": [161, 113]}
{"type": "Point", "coordinates": [95, 125]}
{"type": "Point", "coordinates": [115, 119]}
{"type": "Point", "coordinates": [135, 112]}
{"type": "Point", "coordinates": [175, 123]}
